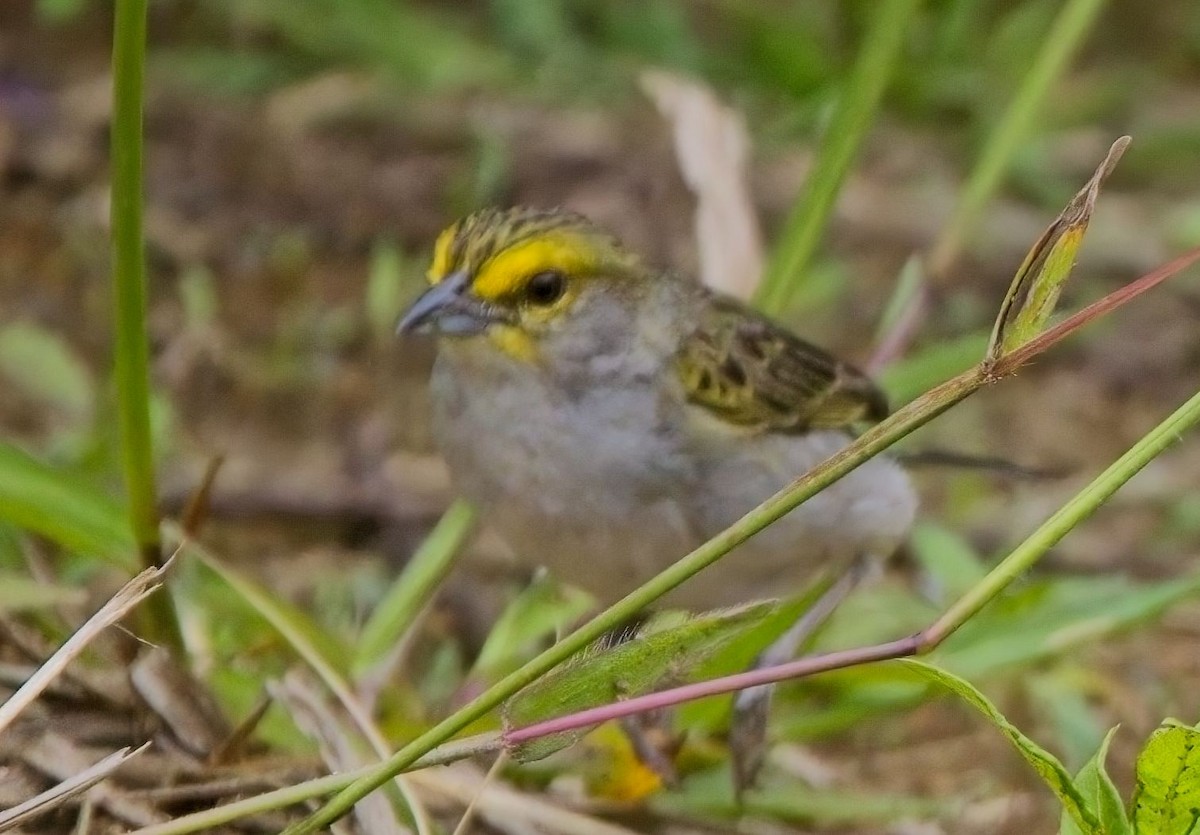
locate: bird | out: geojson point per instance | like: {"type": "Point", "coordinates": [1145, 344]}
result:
{"type": "Point", "coordinates": [608, 416]}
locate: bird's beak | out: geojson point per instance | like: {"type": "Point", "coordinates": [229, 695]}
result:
{"type": "Point", "coordinates": [448, 308]}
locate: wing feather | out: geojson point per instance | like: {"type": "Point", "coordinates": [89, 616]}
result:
{"type": "Point", "coordinates": [753, 373]}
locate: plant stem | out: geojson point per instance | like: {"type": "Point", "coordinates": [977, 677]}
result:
{"type": "Point", "coordinates": [290, 795]}
{"type": "Point", "coordinates": [877, 59]}
{"type": "Point", "coordinates": [129, 290]}
{"type": "Point", "coordinates": [1069, 516]}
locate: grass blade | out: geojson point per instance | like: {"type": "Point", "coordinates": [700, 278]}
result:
{"type": "Point", "coordinates": [876, 62]}
{"type": "Point", "coordinates": [1066, 34]}
{"type": "Point", "coordinates": [54, 504]}
{"type": "Point", "coordinates": [411, 591]}
{"type": "Point", "coordinates": [129, 274]}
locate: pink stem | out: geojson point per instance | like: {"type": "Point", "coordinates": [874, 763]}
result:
{"type": "Point", "coordinates": [807, 666]}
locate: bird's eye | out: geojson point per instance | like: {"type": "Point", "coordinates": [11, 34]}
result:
{"type": "Point", "coordinates": [545, 288]}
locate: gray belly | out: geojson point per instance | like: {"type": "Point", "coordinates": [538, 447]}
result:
{"type": "Point", "coordinates": [607, 491]}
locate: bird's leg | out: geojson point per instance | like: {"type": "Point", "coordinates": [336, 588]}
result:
{"type": "Point", "coordinates": [748, 726]}
{"type": "Point", "coordinates": [649, 733]}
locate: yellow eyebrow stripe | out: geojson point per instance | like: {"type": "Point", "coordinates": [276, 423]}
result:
{"type": "Point", "coordinates": [506, 273]}
{"type": "Point", "coordinates": [441, 254]}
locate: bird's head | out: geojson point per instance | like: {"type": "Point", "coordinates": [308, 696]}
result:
{"type": "Point", "coordinates": [519, 277]}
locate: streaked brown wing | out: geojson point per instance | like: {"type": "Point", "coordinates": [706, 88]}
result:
{"type": "Point", "coordinates": [754, 373]}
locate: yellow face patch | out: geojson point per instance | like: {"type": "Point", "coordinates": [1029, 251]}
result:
{"type": "Point", "coordinates": [505, 274]}
{"type": "Point", "coordinates": [513, 341]}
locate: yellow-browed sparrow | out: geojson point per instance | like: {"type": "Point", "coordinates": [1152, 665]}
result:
{"type": "Point", "coordinates": [608, 417]}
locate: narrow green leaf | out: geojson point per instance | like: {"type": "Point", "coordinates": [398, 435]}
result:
{"type": "Point", "coordinates": [62, 508]}
{"type": "Point", "coordinates": [129, 276]}
{"type": "Point", "coordinates": [1043, 762]}
{"type": "Point", "coordinates": [1100, 794]}
{"type": "Point", "coordinates": [41, 364]}
{"type": "Point", "coordinates": [877, 59]}
{"type": "Point", "coordinates": [414, 587]}
{"type": "Point", "coordinates": [948, 558]}
{"type": "Point", "coordinates": [1068, 31]}
{"type": "Point", "coordinates": [739, 653]}
{"type": "Point", "coordinates": [1049, 617]}
{"type": "Point", "coordinates": [20, 593]}
{"type": "Point", "coordinates": [327, 656]}
{"type": "Point", "coordinates": [628, 669]}
{"type": "Point", "coordinates": [1166, 798]}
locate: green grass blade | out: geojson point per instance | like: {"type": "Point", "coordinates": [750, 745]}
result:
{"type": "Point", "coordinates": [321, 651]}
{"type": "Point", "coordinates": [1066, 34]}
{"type": "Point", "coordinates": [56, 505]}
{"type": "Point", "coordinates": [876, 62]}
{"type": "Point", "coordinates": [129, 276]}
{"type": "Point", "coordinates": [413, 588]}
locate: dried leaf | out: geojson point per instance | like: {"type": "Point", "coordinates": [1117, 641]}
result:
{"type": "Point", "coordinates": [711, 145]}
{"type": "Point", "coordinates": [68, 789]}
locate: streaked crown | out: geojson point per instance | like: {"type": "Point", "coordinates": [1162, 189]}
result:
{"type": "Point", "coordinates": [501, 249]}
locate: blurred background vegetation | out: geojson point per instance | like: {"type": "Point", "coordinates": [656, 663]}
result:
{"type": "Point", "coordinates": [300, 158]}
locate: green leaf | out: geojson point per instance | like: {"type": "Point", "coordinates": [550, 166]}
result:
{"type": "Point", "coordinates": [40, 364]}
{"type": "Point", "coordinates": [1043, 762]}
{"type": "Point", "coordinates": [948, 558]}
{"type": "Point", "coordinates": [1100, 795]}
{"type": "Point", "coordinates": [414, 587]}
{"type": "Point", "coordinates": [19, 593]}
{"type": "Point", "coordinates": [60, 507]}
{"type": "Point", "coordinates": [628, 669]}
{"type": "Point", "coordinates": [327, 656]}
{"type": "Point", "coordinates": [737, 654]}
{"type": "Point", "coordinates": [542, 609]}
{"type": "Point", "coordinates": [1166, 799]}
{"type": "Point", "coordinates": [877, 60]}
